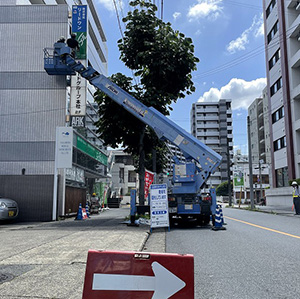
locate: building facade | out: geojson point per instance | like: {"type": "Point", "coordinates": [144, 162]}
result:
{"type": "Point", "coordinates": [123, 175]}
{"type": "Point", "coordinates": [282, 27]}
{"type": "Point", "coordinates": [211, 123]}
{"type": "Point", "coordinates": [258, 113]}
{"type": "Point", "coordinates": [241, 179]}
{"type": "Point", "coordinates": [33, 104]}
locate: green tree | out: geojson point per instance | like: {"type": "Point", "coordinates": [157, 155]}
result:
{"type": "Point", "coordinates": [162, 60]}
{"type": "Point", "coordinates": [222, 189]}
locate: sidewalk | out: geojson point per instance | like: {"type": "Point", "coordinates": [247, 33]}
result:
{"type": "Point", "coordinates": [279, 210]}
{"type": "Point", "coordinates": [48, 260]}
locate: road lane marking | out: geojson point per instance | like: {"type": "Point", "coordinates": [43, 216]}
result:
{"type": "Point", "coordinates": [265, 228]}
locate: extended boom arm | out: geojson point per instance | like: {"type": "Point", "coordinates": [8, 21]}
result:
{"type": "Point", "coordinates": [61, 62]}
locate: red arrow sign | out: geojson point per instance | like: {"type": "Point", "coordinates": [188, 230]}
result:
{"type": "Point", "coordinates": [130, 275]}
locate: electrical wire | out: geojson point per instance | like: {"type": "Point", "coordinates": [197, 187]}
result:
{"type": "Point", "coordinates": [249, 55]}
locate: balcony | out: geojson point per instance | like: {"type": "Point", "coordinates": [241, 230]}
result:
{"type": "Point", "coordinates": [207, 126]}
{"type": "Point", "coordinates": [262, 141]}
{"type": "Point", "coordinates": [207, 110]}
{"type": "Point", "coordinates": [213, 141]}
{"type": "Point", "coordinates": [292, 4]}
{"type": "Point", "coordinates": [295, 93]}
{"type": "Point", "coordinates": [297, 125]}
{"type": "Point", "coordinates": [295, 60]}
{"type": "Point", "coordinates": [296, 28]}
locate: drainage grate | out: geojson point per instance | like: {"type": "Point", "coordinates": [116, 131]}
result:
{"type": "Point", "coordinates": [5, 277]}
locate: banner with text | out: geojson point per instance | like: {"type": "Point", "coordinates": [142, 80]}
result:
{"type": "Point", "coordinates": [149, 177]}
{"type": "Point", "coordinates": [79, 26]}
{"type": "Point", "coordinates": [78, 100]}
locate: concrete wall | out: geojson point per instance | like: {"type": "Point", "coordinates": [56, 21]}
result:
{"type": "Point", "coordinates": [279, 196]}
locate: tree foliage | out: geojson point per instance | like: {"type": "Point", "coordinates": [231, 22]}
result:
{"type": "Point", "coordinates": [222, 189]}
{"type": "Point", "coordinates": [162, 60]}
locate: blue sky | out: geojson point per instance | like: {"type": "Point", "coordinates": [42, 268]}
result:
{"type": "Point", "coordinates": [228, 40]}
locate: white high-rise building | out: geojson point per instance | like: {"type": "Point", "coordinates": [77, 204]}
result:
{"type": "Point", "coordinates": [282, 39]}
{"type": "Point", "coordinates": [211, 123]}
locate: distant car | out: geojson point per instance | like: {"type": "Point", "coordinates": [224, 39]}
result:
{"type": "Point", "coordinates": [9, 209]}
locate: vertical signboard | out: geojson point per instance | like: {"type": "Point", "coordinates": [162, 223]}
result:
{"type": "Point", "coordinates": [78, 95]}
{"type": "Point", "coordinates": [79, 26]}
{"type": "Point", "coordinates": [78, 84]}
{"type": "Point", "coordinates": [159, 205]}
{"type": "Point", "coordinates": [64, 147]}
{"type": "Point", "coordinates": [63, 159]}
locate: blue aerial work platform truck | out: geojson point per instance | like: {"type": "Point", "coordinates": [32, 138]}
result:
{"type": "Point", "coordinates": [189, 178]}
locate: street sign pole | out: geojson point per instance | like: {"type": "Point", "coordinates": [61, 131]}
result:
{"type": "Point", "coordinates": [63, 159]}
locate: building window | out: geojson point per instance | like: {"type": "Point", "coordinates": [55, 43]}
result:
{"type": "Point", "coordinates": [279, 143]}
{"type": "Point", "coordinates": [277, 115]}
{"type": "Point", "coordinates": [273, 32]}
{"type": "Point", "coordinates": [270, 7]}
{"type": "Point", "coordinates": [274, 59]}
{"type": "Point", "coordinates": [276, 86]}
{"type": "Point", "coordinates": [282, 177]}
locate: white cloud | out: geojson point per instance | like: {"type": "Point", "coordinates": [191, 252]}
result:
{"type": "Point", "coordinates": [176, 15]}
{"type": "Point", "coordinates": [241, 92]}
{"type": "Point", "coordinates": [240, 43]}
{"type": "Point", "coordinates": [259, 31]}
{"type": "Point", "coordinates": [205, 8]}
{"type": "Point", "coordinates": [108, 4]}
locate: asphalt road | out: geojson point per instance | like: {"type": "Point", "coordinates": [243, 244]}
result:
{"type": "Point", "coordinates": [258, 256]}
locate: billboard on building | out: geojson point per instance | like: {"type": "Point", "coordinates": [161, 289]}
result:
{"type": "Point", "coordinates": [78, 96]}
{"type": "Point", "coordinates": [79, 26]}
{"type": "Point", "coordinates": [79, 84]}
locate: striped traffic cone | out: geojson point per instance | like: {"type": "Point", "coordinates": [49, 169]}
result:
{"type": "Point", "coordinates": [218, 221]}
{"type": "Point", "coordinates": [87, 211]}
{"type": "Point", "coordinates": [221, 215]}
{"type": "Point", "coordinates": [79, 213]}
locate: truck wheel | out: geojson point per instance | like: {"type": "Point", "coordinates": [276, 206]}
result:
{"type": "Point", "coordinates": [203, 220]}
{"type": "Point", "coordinates": [171, 220]}
{"type": "Point", "coordinates": [213, 220]}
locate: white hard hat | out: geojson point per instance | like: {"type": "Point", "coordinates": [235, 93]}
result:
{"type": "Point", "coordinates": [294, 183]}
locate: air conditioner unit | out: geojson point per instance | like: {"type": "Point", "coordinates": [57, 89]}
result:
{"type": "Point", "coordinates": [298, 6]}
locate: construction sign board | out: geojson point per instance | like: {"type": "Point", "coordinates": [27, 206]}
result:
{"type": "Point", "coordinates": [136, 275]}
{"type": "Point", "coordinates": [159, 207]}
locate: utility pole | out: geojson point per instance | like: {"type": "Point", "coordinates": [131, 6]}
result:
{"type": "Point", "coordinates": [260, 179]}
{"type": "Point", "coordinates": [250, 164]}
{"type": "Point", "coordinates": [154, 165]}
{"type": "Point", "coordinates": [228, 174]}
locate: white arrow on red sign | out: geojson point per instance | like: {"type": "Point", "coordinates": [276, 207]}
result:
{"type": "Point", "coordinates": [164, 283]}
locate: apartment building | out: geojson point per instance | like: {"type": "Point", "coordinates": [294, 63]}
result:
{"type": "Point", "coordinates": [259, 130]}
{"type": "Point", "coordinates": [282, 39]}
{"type": "Point", "coordinates": [211, 123]}
{"type": "Point", "coordinates": [123, 174]}
{"type": "Point", "coordinates": [33, 104]}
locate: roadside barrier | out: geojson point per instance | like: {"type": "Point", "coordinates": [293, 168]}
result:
{"type": "Point", "coordinates": [218, 219]}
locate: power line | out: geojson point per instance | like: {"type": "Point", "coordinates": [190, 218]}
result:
{"type": "Point", "coordinates": [241, 59]}
{"type": "Point", "coordinates": [242, 4]}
